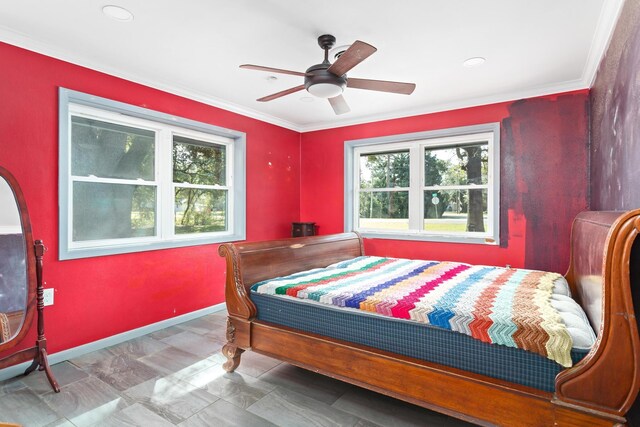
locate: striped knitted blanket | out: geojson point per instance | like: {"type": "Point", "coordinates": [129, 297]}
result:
{"type": "Point", "coordinates": [496, 305]}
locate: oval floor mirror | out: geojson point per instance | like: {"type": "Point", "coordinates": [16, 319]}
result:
{"type": "Point", "coordinates": [20, 281]}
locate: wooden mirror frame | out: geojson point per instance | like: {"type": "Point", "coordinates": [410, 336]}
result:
{"type": "Point", "coordinates": [30, 302]}
{"type": "Point", "coordinates": [35, 300]}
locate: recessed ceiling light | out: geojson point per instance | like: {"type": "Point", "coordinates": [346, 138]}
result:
{"type": "Point", "coordinates": [306, 99]}
{"type": "Point", "coordinates": [118, 13]}
{"type": "Point", "coordinates": [474, 62]}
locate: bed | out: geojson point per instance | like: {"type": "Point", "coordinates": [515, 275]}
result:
{"type": "Point", "coordinates": [597, 387]}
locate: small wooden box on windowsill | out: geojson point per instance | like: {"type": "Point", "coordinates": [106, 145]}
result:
{"type": "Point", "coordinates": [301, 229]}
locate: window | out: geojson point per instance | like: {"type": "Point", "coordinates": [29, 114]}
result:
{"type": "Point", "coordinates": [133, 179]}
{"type": "Point", "coordinates": [438, 186]}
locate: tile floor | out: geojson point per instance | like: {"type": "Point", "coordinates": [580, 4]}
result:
{"type": "Point", "coordinates": [175, 377]}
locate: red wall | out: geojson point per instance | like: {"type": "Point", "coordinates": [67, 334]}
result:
{"type": "Point", "coordinates": [99, 297]}
{"type": "Point", "coordinates": [544, 180]}
{"type": "Point", "coordinates": [290, 177]}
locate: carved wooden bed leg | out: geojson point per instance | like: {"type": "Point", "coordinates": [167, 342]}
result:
{"type": "Point", "coordinates": [232, 354]}
{"type": "Point", "coordinates": [231, 350]}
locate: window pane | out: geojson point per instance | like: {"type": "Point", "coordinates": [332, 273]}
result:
{"type": "Point", "coordinates": [384, 170]}
{"type": "Point", "coordinates": [196, 162]}
{"type": "Point", "coordinates": [108, 150]}
{"type": "Point", "coordinates": [455, 211]}
{"type": "Point", "coordinates": [113, 211]}
{"type": "Point", "coordinates": [384, 210]}
{"type": "Point", "coordinates": [200, 210]}
{"type": "Point", "coordinates": [461, 165]}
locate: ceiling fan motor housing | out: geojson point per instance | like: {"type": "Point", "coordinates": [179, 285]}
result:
{"type": "Point", "coordinates": [322, 83]}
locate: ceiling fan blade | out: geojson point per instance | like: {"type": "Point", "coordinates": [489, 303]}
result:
{"type": "Point", "coordinates": [382, 86]}
{"type": "Point", "coordinates": [279, 94]}
{"type": "Point", "coordinates": [358, 52]}
{"type": "Point", "coordinates": [339, 105]}
{"type": "Point", "coordinates": [273, 70]}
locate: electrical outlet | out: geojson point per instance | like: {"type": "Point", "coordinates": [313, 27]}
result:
{"type": "Point", "coordinates": [48, 296]}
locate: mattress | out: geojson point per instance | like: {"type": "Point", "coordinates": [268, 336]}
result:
{"type": "Point", "coordinates": [300, 301]}
{"type": "Point", "coordinates": [412, 339]}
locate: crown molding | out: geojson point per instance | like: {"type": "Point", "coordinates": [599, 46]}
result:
{"type": "Point", "coordinates": [552, 89]}
{"type": "Point", "coordinates": [609, 15]}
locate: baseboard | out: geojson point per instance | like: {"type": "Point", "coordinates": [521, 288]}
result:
{"type": "Point", "coordinates": [13, 371]}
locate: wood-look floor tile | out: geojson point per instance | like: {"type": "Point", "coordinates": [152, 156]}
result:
{"type": "Point", "coordinates": [122, 372]}
{"type": "Point", "coordinates": [219, 358]}
{"type": "Point", "coordinates": [134, 415]}
{"type": "Point", "coordinates": [172, 399]}
{"type": "Point", "coordinates": [176, 363]}
{"type": "Point", "coordinates": [225, 414]}
{"type": "Point", "coordinates": [65, 373]}
{"type": "Point", "coordinates": [61, 423]}
{"type": "Point", "coordinates": [384, 410]}
{"type": "Point", "coordinates": [11, 385]}
{"type": "Point", "coordinates": [273, 393]}
{"type": "Point", "coordinates": [85, 402]}
{"type": "Point", "coordinates": [367, 423]}
{"type": "Point", "coordinates": [218, 334]}
{"type": "Point", "coordinates": [166, 332]}
{"type": "Point", "coordinates": [319, 387]}
{"type": "Point", "coordinates": [255, 364]}
{"type": "Point", "coordinates": [22, 406]}
{"type": "Point", "coordinates": [95, 357]}
{"type": "Point", "coordinates": [241, 390]}
{"type": "Point", "coordinates": [204, 324]}
{"type": "Point", "coordinates": [288, 408]}
{"type": "Point", "coordinates": [194, 343]}
{"type": "Point", "coordinates": [138, 347]}
{"type": "Point", "coordinates": [220, 313]}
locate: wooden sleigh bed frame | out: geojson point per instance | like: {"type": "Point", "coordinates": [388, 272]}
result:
{"type": "Point", "coordinates": [604, 276]}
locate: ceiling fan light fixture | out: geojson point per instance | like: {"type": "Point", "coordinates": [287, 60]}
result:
{"type": "Point", "coordinates": [325, 90]}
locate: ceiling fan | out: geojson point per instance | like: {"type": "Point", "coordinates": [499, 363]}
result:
{"type": "Point", "coordinates": [327, 80]}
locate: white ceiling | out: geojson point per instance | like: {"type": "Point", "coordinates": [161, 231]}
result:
{"type": "Point", "coordinates": [193, 48]}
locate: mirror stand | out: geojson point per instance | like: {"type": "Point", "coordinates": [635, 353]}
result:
{"type": "Point", "coordinates": [39, 352]}
{"type": "Point", "coordinates": [40, 358]}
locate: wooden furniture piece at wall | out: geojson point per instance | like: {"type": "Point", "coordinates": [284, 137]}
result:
{"type": "Point", "coordinates": [302, 229]}
{"type": "Point", "coordinates": [599, 390]}
{"type": "Point", "coordinates": [25, 264]}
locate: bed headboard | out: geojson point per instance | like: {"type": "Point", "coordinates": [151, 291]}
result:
{"type": "Point", "coordinates": [604, 282]}
{"type": "Point", "coordinates": [600, 242]}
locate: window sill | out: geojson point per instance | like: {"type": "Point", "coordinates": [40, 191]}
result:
{"type": "Point", "coordinates": [424, 237]}
{"type": "Point", "coordinates": [93, 251]}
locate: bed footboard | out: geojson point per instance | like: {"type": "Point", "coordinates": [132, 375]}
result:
{"type": "Point", "coordinates": [249, 263]}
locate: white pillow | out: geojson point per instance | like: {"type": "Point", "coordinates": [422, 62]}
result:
{"type": "Point", "coordinates": [576, 321]}
{"type": "Point", "coordinates": [561, 287]}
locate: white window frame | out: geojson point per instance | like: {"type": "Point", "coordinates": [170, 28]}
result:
{"type": "Point", "coordinates": [165, 126]}
{"type": "Point", "coordinates": [416, 144]}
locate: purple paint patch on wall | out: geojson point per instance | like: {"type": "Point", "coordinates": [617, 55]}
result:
{"type": "Point", "coordinates": [544, 173]}
{"type": "Point", "coordinates": [615, 124]}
